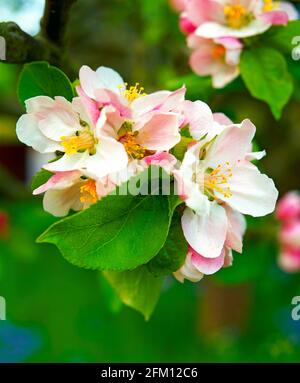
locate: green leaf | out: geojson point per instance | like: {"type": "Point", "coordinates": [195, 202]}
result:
{"type": "Point", "coordinates": [185, 132]}
{"type": "Point", "coordinates": [42, 79]}
{"type": "Point", "coordinates": [264, 71]}
{"type": "Point", "coordinates": [283, 38]}
{"type": "Point", "coordinates": [179, 150]}
{"type": "Point", "coordinates": [40, 178]}
{"type": "Point", "coordinates": [120, 232]}
{"type": "Point", "coordinates": [138, 289]}
{"type": "Point", "coordinates": [171, 257]}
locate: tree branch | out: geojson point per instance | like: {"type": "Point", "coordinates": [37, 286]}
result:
{"type": "Point", "coordinates": [21, 47]}
{"type": "Point", "coordinates": [54, 21]}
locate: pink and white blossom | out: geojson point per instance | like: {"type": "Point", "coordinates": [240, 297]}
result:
{"type": "Point", "coordinates": [52, 125]}
{"type": "Point", "coordinates": [218, 58]}
{"type": "Point", "coordinates": [196, 265]}
{"type": "Point", "coordinates": [288, 214]}
{"type": "Point", "coordinates": [219, 184]}
{"type": "Point", "coordinates": [237, 18]}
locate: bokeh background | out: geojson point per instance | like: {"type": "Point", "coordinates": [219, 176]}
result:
{"type": "Point", "coordinates": [59, 313]}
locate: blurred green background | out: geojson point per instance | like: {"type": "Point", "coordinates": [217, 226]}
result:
{"type": "Point", "coordinates": [59, 313]}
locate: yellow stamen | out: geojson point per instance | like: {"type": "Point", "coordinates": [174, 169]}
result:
{"type": "Point", "coordinates": [133, 149]}
{"type": "Point", "coordinates": [269, 5]}
{"type": "Point", "coordinates": [237, 15]}
{"type": "Point", "coordinates": [81, 141]}
{"type": "Point", "coordinates": [216, 181]}
{"type": "Point", "coordinates": [88, 192]}
{"type": "Point", "coordinates": [133, 92]}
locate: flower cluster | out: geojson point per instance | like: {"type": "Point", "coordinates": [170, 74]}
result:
{"type": "Point", "coordinates": [216, 30]}
{"type": "Point", "coordinates": [111, 132]}
{"type": "Point", "coordinates": [288, 213]}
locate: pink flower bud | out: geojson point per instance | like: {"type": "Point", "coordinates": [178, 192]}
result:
{"type": "Point", "coordinates": [289, 259]}
{"type": "Point", "coordinates": [290, 234]}
{"type": "Point", "coordinates": [186, 26]}
{"type": "Point", "coordinates": [288, 207]}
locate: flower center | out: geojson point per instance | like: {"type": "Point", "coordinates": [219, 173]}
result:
{"type": "Point", "coordinates": [88, 192]}
{"type": "Point", "coordinates": [82, 141]}
{"type": "Point", "coordinates": [133, 149]}
{"type": "Point", "coordinates": [216, 180]}
{"type": "Point", "coordinates": [133, 92]}
{"type": "Point", "coordinates": [237, 15]}
{"type": "Point", "coordinates": [218, 52]}
{"type": "Point", "coordinates": [269, 5]}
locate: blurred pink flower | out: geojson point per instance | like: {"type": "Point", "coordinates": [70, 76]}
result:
{"type": "Point", "coordinates": [237, 18]}
{"type": "Point", "coordinates": [288, 207]}
{"type": "Point", "coordinates": [215, 30]}
{"type": "Point", "coordinates": [218, 58]}
{"type": "Point", "coordinates": [288, 213]}
{"type": "Point", "coordinates": [289, 259]}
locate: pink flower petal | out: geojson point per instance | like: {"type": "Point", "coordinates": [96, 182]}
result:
{"type": "Point", "coordinates": [276, 17]}
{"type": "Point", "coordinates": [207, 266]}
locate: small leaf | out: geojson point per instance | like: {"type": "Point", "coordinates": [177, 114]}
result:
{"type": "Point", "coordinates": [264, 71]}
{"type": "Point", "coordinates": [40, 178]}
{"type": "Point", "coordinates": [42, 79]}
{"type": "Point", "coordinates": [138, 289]}
{"type": "Point", "coordinates": [120, 232]}
{"type": "Point", "coordinates": [179, 150]}
{"type": "Point", "coordinates": [171, 257]}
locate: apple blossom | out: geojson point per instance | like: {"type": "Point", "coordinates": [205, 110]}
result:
{"type": "Point", "coordinates": [215, 30]}
{"type": "Point", "coordinates": [72, 190]}
{"type": "Point", "coordinates": [218, 184]}
{"type": "Point", "coordinates": [218, 57]}
{"type": "Point", "coordinates": [237, 18]}
{"type": "Point", "coordinates": [52, 125]}
{"type": "Point", "coordinates": [143, 124]}
{"type": "Point", "coordinates": [196, 265]}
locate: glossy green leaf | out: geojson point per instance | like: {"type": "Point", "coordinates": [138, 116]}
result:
{"type": "Point", "coordinates": [264, 71]}
{"type": "Point", "coordinates": [42, 79]}
{"type": "Point", "coordinates": [171, 257]}
{"type": "Point", "coordinates": [138, 289]}
{"type": "Point", "coordinates": [120, 232]}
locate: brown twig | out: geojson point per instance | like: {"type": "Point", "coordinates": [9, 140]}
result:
{"type": "Point", "coordinates": [21, 47]}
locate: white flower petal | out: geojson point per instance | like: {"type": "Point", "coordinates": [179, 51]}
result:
{"type": "Point", "coordinates": [231, 145]}
{"type": "Point", "coordinates": [215, 30]}
{"type": "Point", "coordinates": [59, 202]}
{"type": "Point", "coordinates": [29, 133]}
{"type": "Point", "coordinates": [110, 79]}
{"type": "Point", "coordinates": [253, 193]}
{"type": "Point", "coordinates": [206, 233]}
{"type": "Point", "coordinates": [68, 162]}
{"type": "Point", "coordinates": [110, 157]}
